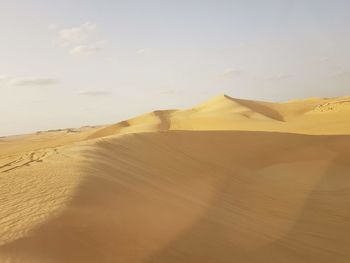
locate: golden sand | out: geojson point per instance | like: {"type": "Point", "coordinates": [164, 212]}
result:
{"type": "Point", "coordinates": [229, 180]}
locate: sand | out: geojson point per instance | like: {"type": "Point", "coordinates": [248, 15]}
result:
{"type": "Point", "coordinates": [229, 180]}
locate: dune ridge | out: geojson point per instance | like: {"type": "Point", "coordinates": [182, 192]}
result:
{"type": "Point", "coordinates": [226, 113]}
{"type": "Point", "coordinates": [228, 180]}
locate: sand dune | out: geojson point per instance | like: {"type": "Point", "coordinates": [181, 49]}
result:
{"type": "Point", "coordinates": [312, 116]}
{"type": "Point", "coordinates": [229, 180]}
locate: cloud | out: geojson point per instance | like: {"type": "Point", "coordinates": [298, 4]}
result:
{"type": "Point", "coordinates": [141, 51]}
{"type": "Point", "coordinates": [27, 81]}
{"type": "Point", "coordinates": [33, 81]}
{"type": "Point", "coordinates": [325, 59]}
{"type": "Point", "coordinates": [247, 45]}
{"type": "Point", "coordinates": [79, 34]}
{"type": "Point", "coordinates": [170, 91]}
{"type": "Point", "coordinates": [88, 49]}
{"type": "Point", "coordinates": [85, 49]}
{"type": "Point", "coordinates": [277, 77]}
{"type": "Point", "coordinates": [231, 73]}
{"type": "Point", "coordinates": [79, 40]}
{"type": "Point", "coordinates": [52, 27]}
{"type": "Point", "coordinates": [4, 78]}
{"type": "Point", "coordinates": [95, 93]}
{"type": "Point", "coordinates": [341, 76]}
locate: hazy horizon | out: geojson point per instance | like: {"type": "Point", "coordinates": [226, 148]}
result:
{"type": "Point", "coordinates": [67, 64]}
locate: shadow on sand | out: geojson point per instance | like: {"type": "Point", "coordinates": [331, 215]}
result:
{"type": "Point", "coordinates": [200, 197]}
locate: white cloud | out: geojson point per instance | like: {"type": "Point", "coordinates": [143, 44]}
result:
{"type": "Point", "coordinates": [341, 75]}
{"type": "Point", "coordinates": [325, 59]}
{"type": "Point", "coordinates": [247, 45]}
{"type": "Point", "coordinates": [141, 51]}
{"type": "Point", "coordinates": [231, 73]}
{"type": "Point", "coordinates": [79, 34]}
{"type": "Point", "coordinates": [170, 91]}
{"type": "Point", "coordinates": [79, 40]}
{"type": "Point", "coordinates": [4, 78]}
{"type": "Point", "coordinates": [52, 27]}
{"type": "Point", "coordinates": [277, 77]}
{"type": "Point", "coordinates": [33, 81]}
{"type": "Point", "coordinates": [95, 93]}
{"type": "Point", "coordinates": [27, 81]}
{"type": "Point", "coordinates": [88, 49]}
{"type": "Point", "coordinates": [85, 49]}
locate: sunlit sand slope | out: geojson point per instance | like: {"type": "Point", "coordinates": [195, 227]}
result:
{"type": "Point", "coordinates": [182, 196]}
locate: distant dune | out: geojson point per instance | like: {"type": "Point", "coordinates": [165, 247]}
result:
{"type": "Point", "coordinates": [229, 180]}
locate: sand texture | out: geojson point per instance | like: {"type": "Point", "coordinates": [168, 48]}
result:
{"type": "Point", "coordinates": [229, 180]}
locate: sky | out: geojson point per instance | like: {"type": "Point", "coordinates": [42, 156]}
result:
{"type": "Point", "coordinates": [73, 63]}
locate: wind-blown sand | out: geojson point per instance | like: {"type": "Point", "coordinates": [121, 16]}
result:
{"type": "Point", "coordinates": [227, 181]}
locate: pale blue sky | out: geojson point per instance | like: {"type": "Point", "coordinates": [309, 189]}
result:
{"type": "Point", "coordinates": [72, 63]}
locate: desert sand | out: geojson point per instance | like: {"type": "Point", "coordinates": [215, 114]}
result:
{"type": "Point", "coordinates": [229, 180]}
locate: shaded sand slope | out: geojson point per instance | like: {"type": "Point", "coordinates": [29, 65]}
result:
{"type": "Point", "coordinates": [197, 196]}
